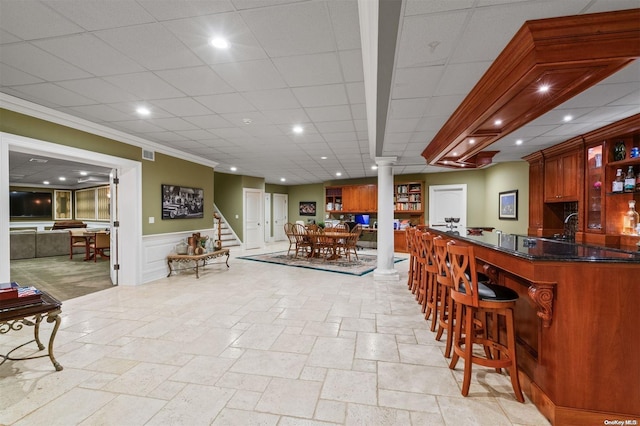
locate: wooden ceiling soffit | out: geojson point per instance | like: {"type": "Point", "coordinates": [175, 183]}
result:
{"type": "Point", "coordinates": [567, 54]}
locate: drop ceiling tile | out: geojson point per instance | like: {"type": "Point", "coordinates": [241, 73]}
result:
{"type": "Point", "coordinates": [97, 15]}
{"type": "Point", "coordinates": [172, 123]}
{"type": "Point", "coordinates": [10, 76]}
{"type": "Point", "coordinates": [37, 62]}
{"type": "Point", "coordinates": [346, 24]}
{"type": "Point", "coordinates": [314, 96]}
{"type": "Point", "coordinates": [136, 126]}
{"type": "Point", "coordinates": [351, 61]}
{"type": "Point", "coordinates": [153, 46]}
{"type": "Point", "coordinates": [181, 106]}
{"type": "Point", "coordinates": [225, 103]}
{"type": "Point", "coordinates": [163, 136]}
{"type": "Point", "coordinates": [264, 131]}
{"type": "Point", "coordinates": [287, 116]}
{"type": "Point", "coordinates": [89, 53]}
{"type": "Point", "coordinates": [145, 85]}
{"type": "Point", "coordinates": [408, 108]}
{"type": "Point", "coordinates": [340, 137]}
{"type": "Point", "coordinates": [98, 90]}
{"type": "Point", "coordinates": [195, 134]}
{"type": "Point", "coordinates": [461, 78]}
{"type": "Point", "coordinates": [429, 39]}
{"type": "Point", "coordinates": [195, 81]}
{"type": "Point", "coordinates": [131, 107]}
{"type": "Point", "coordinates": [196, 33]}
{"type": "Point", "coordinates": [416, 82]}
{"type": "Point", "coordinates": [211, 121]}
{"type": "Point", "coordinates": [335, 126]}
{"type": "Point", "coordinates": [332, 113]}
{"type": "Point", "coordinates": [443, 105]}
{"type": "Point", "coordinates": [310, 70]}
{"type": "Point", "coordinates": [358, 111]}
{"type": "Point", "coordinates": [31, 20]}
{"type": "Point", "coordinates": [355, 92]}
{"type": "Point", "coordinates": [101, 113]}
{"type": "Point", "coordinates": [229, 132]}
{"type": "Point", "coordinates": [250, 75]}
{"type": "Point", "coordinates": [294, 29]}
{"type": "Point", "coordinates": [6, 37]}
{"type": "Point", "coordinates": [166, 10]}
{"type": "Point", "coordinates": [237, 118]}
{"type": "Point", "coordinates": [402, 125]}
{"type": "Point", "coordinates": [273, 99]}
{"type": "Point", "coordinates": [597, 96]}
{"type": "Point", "coordinates": [54, 94]}
{"type": "Point", "coordinates": [421, 7]}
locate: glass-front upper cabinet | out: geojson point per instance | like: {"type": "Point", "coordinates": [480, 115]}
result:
{"type": "Point", "coordinates": [595, 189]}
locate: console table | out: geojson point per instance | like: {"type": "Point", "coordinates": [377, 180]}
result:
{"type": "Point", "coordinates": [197, 259]}
{"type": "Point", "coordinates": [32, 315]}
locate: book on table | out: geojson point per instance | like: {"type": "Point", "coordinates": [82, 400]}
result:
{"type": "Point", "coordinates": [12, 295]}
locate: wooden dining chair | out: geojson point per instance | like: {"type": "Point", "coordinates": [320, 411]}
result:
{"type": "Point", "coordinates": [288, 230]}
{"type": "Point", "coordinates": [77, 239]}
{"type": "Point", "coordinates": [100, 244]}
{"type": "Point", "coordinates": [303, 243]}
{"type": "Point", "coordinates": [349, 245]}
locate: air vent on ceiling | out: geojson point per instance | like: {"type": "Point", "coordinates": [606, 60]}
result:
{"type": "Point", "coordinates": [148, 155]}
{"type": "Point", "coordinates": [38, 160]}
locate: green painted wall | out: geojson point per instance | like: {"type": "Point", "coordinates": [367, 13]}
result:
{"type": "Point", "coordinates": [506, 177]}
{"type": "Point", "coordinates": [228, 190]}
{"type": "Point", "coordinates": [165, 169]}
{"type": "Point", "coordinates": [173, 171]}
{"type": "Point", "coordinates": [312, 192]}
{"type": "Point", "coordinates": [475, 181]}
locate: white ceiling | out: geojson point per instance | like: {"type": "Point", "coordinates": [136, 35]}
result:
{"type": "Point", "coordinates": [290, 62]}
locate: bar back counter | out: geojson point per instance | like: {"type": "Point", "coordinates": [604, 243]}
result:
{"type": "Point", "coordinates": [577, 323]}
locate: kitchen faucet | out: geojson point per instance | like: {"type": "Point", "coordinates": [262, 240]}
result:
{"type": "Point", "coordinates": [566, 219]}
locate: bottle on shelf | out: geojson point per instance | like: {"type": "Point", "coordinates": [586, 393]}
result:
{"type": "Point", "coordinates": [618, 182]}
{"type": "Point", "coordinates": [631, 219]}
{"type": "Point", "coordinates": [630, 180]}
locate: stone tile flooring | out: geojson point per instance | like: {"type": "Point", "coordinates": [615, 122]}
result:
{"type": "Point", "coordinates": [253, 344]}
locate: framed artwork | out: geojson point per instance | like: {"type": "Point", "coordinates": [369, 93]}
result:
{"type": "Point", "coordinates": [182, 202]}
{"type": "Point", "coordinates": [508, 205]}
{"type": "Point", "coordinates": [62, 205]}
{"type": "Point", "coordinates": [307, 208]}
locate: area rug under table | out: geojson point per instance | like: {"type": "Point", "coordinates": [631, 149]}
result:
{"type": "Point", "coordinates": [365, 263]}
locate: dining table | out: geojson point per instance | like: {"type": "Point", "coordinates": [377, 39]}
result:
{"type": "Point", "coordinates": [328, 239]}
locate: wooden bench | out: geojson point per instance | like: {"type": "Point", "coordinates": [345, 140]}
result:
{"type": "Point", "coordinates": [197, 259]}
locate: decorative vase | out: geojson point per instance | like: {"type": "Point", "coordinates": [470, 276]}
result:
{"type": "Point", "coordinates": [619, 151]}
{"type": "Point", "coordinates": [181, 248]}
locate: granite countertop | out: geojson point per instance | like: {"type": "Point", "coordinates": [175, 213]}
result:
{"type": "Point", "coordinates": [534, 248]}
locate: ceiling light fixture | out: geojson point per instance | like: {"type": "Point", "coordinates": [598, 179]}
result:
{"type": "Point", "coordinates": [472, 141]}
{"type": "Point", "coordinates": [567, 118]}
{"type": "Point", "coordinates": [144, 111]}
{"type": "Point", "coordinates": [323, 158]}
{"type": "Point", "coordinates": [544, 88]}
{"type": "Point", "coordinates": [62, 178]}
{"type": "Point", "coordinates": [297, 129]}
{"type": "Point", "coordinates": [219, 43]}
{"type": "Point", "coordinates": [374, 167]}
{"type": "Point", "coordinates": [338, 173]}
{"type": "Point", "coordinates": [233, 168]}
{"type": "Point", "coordinates": [46, 182]}
{"type": "Point", "coordinates": [83, 173]}
{"type": "Point", "coordinates": [519, 142]}
{"type": "Point", "coordinates": [247, 120]}
{"type": "Point", "coordinates": [282, 179]}
{"type": "Point", "coordinates": [497, 122]}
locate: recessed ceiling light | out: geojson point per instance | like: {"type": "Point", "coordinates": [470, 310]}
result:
{"type": "Point", "coordinates": [455, 154]}
{"type": "Point", "coordinates": [519, 142]}
{"type": "Point", "coordinates": [247, 120]}
{"type": "Point", "coordinates": [472, 141]}
{"type": "Point", "coordinates": [374, 167]}
{"type": "Point", "coordinates": [83, 173]}
{"type": "Point", "coordinates": [497, 122]}
{"type": "Point", "coordinates": [282, 179]}
{"type": "Point", "coordinates": [323, 158]}
{"type": "Point", "coordinates": [62, 178]}
{"type": "Point", "coordinates": [567, 118]}
{"type": "Point", "coordinates": [143, 111]}
{"type": "Point", "coordinates": [543, 88]}
{"type": "Point", "coordinates": [338, 173]}
{"type": "Point", "coordinates": [233, 168]}
{"type": "Point", "coordinates": [219, 43]}
{"type": "Point", "coordinates": [297, 129]}
{"type": "Point", "coordinates": [46, 182]}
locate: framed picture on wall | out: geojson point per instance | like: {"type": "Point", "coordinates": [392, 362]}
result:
{"type": "Point", "coordinates": [182, 202]}
{"type": "Point", "coordinates": [508, 205]}
{"type": "Point", "coordinates": [307, 208]}
{"type": "Point", "coordinates": [61, 205]}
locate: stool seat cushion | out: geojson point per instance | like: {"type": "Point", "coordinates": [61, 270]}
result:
{"type": "Point", "coordinates": [493, 292]}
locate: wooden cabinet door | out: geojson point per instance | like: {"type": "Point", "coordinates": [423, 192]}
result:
{"type": "Point", "coordinates": [369, 197]}
{"type": "Point", "coordinates": [552, 180]}
{"type": "Point", "coordinates": [350, 202]}
{"type": "Point", "coordinates": [570, 176]}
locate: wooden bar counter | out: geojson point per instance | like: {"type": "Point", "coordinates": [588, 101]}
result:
{"type": "Point", "coordinates": [577, 323]}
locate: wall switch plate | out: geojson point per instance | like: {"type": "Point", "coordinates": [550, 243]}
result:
{"type": "Point", "coordinates": [152, 219]}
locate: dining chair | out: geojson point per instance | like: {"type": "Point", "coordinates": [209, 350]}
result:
{"type": "Point", "coordinates": [77, 239]}
{"type": "Point", "coordinates": [303, 243]}
{"type": "Point", "coordinates": [349, 244]}
{"type": "Point", "coordinates": [100, 244]}
{"type": "Point", "coordinates": [288, 230]}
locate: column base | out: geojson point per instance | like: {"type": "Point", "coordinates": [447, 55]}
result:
{"type": "Point", "coordinates": [386, 275]}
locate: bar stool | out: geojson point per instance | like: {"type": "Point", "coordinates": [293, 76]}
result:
{"type": "Point", "coordinates": [431, 271]}
{"type": "Point", "coordinates": [408, 234]}
{"type": "Point", "coordinates": [489, 300]}
{"type": "Point", "coordinates": [442, 294]}
{"type": "Point", "coordinates": [421, 268]}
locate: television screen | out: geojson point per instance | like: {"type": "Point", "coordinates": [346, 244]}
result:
{"type": "Point", "coordinates": [29, 204]}
{"type": "Point", "coordinates": [362, 219]}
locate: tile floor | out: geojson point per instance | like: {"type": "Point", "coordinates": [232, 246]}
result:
{"type": "Point", "coordinates": [255, 344]}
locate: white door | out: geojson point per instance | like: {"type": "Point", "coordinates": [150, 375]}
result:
{"type": "Point", "coordinates": [447, 201]}
{"type": "Point", "coordinates": [253, 215]}
{"type": "Point", "coordinates": [280, 216]}
{"type": "Point", "coordinates": [267, 217]}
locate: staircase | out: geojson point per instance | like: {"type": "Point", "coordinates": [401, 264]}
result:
{"type": "Point", "coordinates": [227, 237]}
